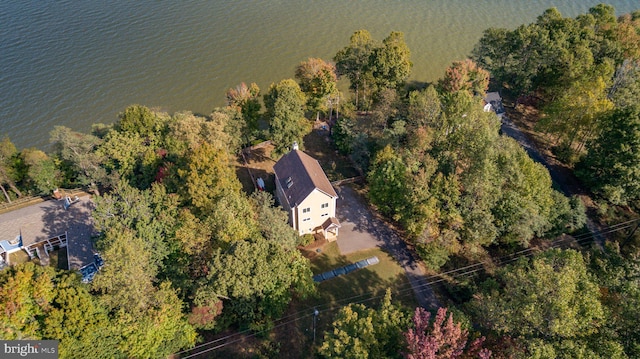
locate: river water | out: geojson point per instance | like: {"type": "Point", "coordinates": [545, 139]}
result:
{"type": "Point", "coordinates": [75, 63]}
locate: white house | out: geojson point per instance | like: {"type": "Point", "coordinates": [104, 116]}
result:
{"type": "Point", "coordinates": [306, 194]}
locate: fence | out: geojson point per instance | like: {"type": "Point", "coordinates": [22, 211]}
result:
{"type": "Point", "coordinates": [347, 180]}
{"type": "Point", "coordinates": [29, 200]}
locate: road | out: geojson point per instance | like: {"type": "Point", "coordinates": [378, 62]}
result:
{"type": "Point", "coordinates": [361, 230]}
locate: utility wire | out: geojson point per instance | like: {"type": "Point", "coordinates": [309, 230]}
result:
{"type": "Point", "coordinates": [408, 288]}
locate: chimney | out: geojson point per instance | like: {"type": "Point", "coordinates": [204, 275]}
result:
{"type": "Point", "coordinates": [295, 146]}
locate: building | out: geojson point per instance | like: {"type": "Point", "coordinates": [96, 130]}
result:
{"type": "Point", "coordinates": [493, 102]}
{"type": "Point", "coordinates": [303, 190]}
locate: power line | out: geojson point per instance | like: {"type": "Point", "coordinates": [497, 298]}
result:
{"type": "Point", "coordinates": [471, 269]}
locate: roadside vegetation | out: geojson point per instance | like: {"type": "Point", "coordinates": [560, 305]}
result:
{"type": "Point", "coordinates": [192, 255]}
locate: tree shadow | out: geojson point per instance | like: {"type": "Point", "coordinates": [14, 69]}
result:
{"type": "Point", "coordinates": [77, 222]}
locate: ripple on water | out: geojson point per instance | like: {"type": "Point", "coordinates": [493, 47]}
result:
{"type": "Point", "coordinates": [75, 63]}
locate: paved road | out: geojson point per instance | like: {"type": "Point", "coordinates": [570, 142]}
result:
{"type": "Point", "coordinates": [362, 230]}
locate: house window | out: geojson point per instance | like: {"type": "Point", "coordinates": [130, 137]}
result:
{"type": "Point", "coordinates": [325, 214]}
{"type": "Point", "coordinates": [306, 210]}
{"type": "Point", "coordinates": [324, 205]}
{"type": "Point", "coordinates": [306, 219]}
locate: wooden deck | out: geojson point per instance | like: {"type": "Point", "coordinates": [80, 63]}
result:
{"type": "Point", "coordinates": [43, 225]}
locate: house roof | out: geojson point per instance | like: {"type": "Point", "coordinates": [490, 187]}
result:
{"type": "Point", "coordinates": [331, 222]}
{"type": "Point", "coordinates": [300, 174]}
{"type": "Point", "coordinates": [492, 96]}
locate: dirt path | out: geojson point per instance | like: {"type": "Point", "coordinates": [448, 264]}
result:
{"type": "Point", "coordinates": [361, 229]}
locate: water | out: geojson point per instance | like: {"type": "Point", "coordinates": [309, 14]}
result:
{"type": "Point", "coordinates": [75, 63]}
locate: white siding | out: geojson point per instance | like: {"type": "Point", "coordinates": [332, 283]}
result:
{"type": "Point", "coordinates": [316, 216]}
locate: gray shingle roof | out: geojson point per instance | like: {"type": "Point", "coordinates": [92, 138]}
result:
{"type": "Point", "coordinates": [299, 174]}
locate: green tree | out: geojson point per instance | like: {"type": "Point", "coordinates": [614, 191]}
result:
{"type": "Point", "coordinates": [285, 104]}
{"type": "Point", "coordinates": [137, 119]}
{"type": "Point", "coordinates": [79, 321]}
{"type": "Point", "coordinates": [612, 165]}
{"type": "Point", "coordinates": [551, 297]}
{"type": "Point", "coordinates": [78, 153]}
{"type": "Point", "coordinates": [424, 108]}
{"type": "Point", "coordinates": [8, 153]}
{"type": "Point", "coordinates": [42, 173]}
{"type": "Point", "coordinates": [246, 99]}
{"type": "Point", "coordinates": [353, 62]}
{"type": "Point", "coordinates": [126, 280]}
{"type": "Point", "coordinates": [573, 117]}
{"type": "Point", "coordinates": [255, 279]}
{"type": "Point", "coordinates": [273, 222]}
{"type": "Point", "coordinates": [387, 182]}
{"type": "Point", "coordinates": [391, 63]}
{"type": "Point", "coordinates": [151, 214]}
{"type": "Point", "coordinates": [318, 80]}
{"type": "Point", "coordinates": [208, 176]}
{"type": "Point", "coordinates": [361, 332]}
{"type": "Point", "coordinates": [26, 294]}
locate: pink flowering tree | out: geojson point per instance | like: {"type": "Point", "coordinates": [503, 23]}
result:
{"type": "Point", "coordinates": [442, 339]}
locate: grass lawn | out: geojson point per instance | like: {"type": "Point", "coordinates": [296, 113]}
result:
{"type": "Point", "coordinates": [366, 286]}
{"type": "Point", "coordinates": [362, 284]}
{"type": "Point", "coordinates": [18, 257]}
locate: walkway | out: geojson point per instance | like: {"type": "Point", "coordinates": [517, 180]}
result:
{"type": "Point", "coordinates": [47, 219]}
{"type": "Point", "coordinates": [362, 230]}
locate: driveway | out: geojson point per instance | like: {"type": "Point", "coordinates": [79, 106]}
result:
{"type": "Point", "coordinates": [362, 230]}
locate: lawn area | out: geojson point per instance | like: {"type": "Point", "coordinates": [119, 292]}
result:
{"type": "Point", "coordinates": [362, 284]}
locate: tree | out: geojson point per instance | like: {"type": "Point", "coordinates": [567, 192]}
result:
{"type": "Point", "coordinates": [387, 182]}
{"type": "Point", "coordinates": [573, 117]}
{"type": "Point", "coordinates": [137, 119]}
{"type": "Point", "coordinates": [126, 280]}
{"type": "Point", "coordinates": [41, 170]}
{"type": "Point", "coordinates": [246, 99]}
{"type": "Point", "coordinates": [79, 156]}
{"type": "Point", "coordinates": [285, 104]}
{"type": "Point", "coordinates": [318, 80]}
{"type": "Point", "coordinates": [80, 322]}
{"type": "Point", "coordinates": [353, 62]}
{"type": "Point", "coordinates": [273, 222]}
{"type": "Point", "coordinates": [440, 340]}
{"type": "Point", "coordinates": [255, 279]}
{"type": "Point", "coordinates": [625, 90]}
{"type": "Point", "coordinates": [390, 63]}
{"type": "Point", "coordinates": [424, 109]}
{"type": "Point", "coordinates": [208, 176]}
{"type": "Point", "coordinates": [26, 294]}
{"type": "Point", "coordinates": [465, 76]}
{"type": "Point", "coordinates": [612, 165]}
{"type": "Point", "coordinates": [361, 332]}
{"type": "Point", "coordinates": [8, 153]}
{"type": "Point", "coordinates": [551, 297]}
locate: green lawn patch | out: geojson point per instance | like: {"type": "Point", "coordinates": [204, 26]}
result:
{"type": "Point", "coordinates": [364, 285]}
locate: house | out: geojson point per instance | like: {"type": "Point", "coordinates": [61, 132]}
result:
{"type": "Point", "coordinates": [303, 190]}
{"type": "Point", "coordinates": [493, 102]}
